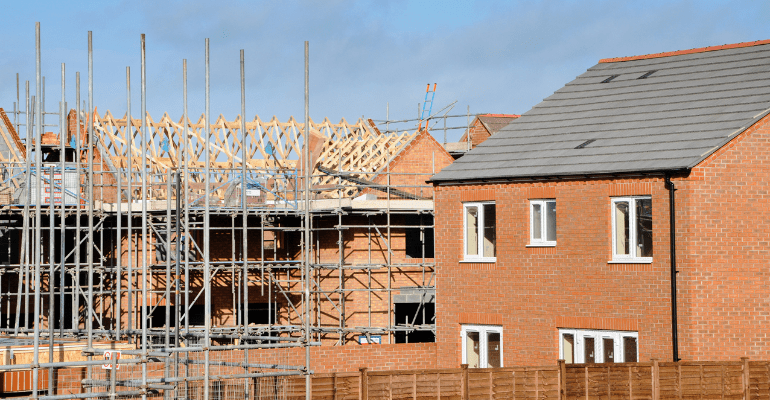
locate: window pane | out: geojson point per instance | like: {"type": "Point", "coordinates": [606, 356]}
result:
{"type": "Point", "coordinates": [550, 220]}
{"type": "Point", "coordinates": [609, 350]}
{"type": "Point", "coordinates": [472, 231]}
{"type": "Point", "coordinates": [621, 227]}
{"type": "Point", "coordinates": [493, 350]}
{"type": "Point", "coordinates": [537, 222]}
{"type": "Point", "coordinates": [472, 349]}
{"type": "Point", "coordinates": [589, 350]}
{"type": "Point", "coordinates": [644, 227]}
{"type": "Point", "coordinates": [629, 349]}
{"type": "Point", "coordinates": [568, 347]}
{"type": "Point", "coordinates": [489, 230]}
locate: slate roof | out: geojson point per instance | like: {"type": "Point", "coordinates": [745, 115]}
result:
{"type": "Point", "coordinates": [495, 122]}
{"type": "Point", "coordinates": [692, 104]}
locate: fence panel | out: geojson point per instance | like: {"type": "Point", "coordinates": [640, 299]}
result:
{"type": "Point", "coordinates": [733, 380]}
{"type": "Point", "coordinates": [759, 380]}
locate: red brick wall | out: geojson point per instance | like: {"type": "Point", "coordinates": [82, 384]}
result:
{"type": "Point", "coordinates": [414, 165]}
{"type": "Point", "coordinates": [723, 221]}
{"type": "Point", "coordinates": [479, 133]}
{"type": "Point", "coordinates": [533, 291]}
{"type": "Point", "coordinates": [325, 359]}
{"type": "Point", "coordinates": [724, 276]}
{"type": "Point", "coordinates": [356, 243]}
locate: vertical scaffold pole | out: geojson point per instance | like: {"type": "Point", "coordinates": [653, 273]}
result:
{"type": "Point", "coordinates": [78, 210]}
{"type": "Point", "coordinates": [51, 270]}
{"type": "Point", "coordinates": [306, 283]}
{"type": "Point", "coordinates": [206, 264]}
{"type": "Point", "coordinates": [90, 251]}
{"type": "Point", "coordinates": [144, 198]}
{"type": "Point", "coordinates": [38, 200]}
{"type": "Point", "coordinates": [244, 220]}
{"type": "Point", "coordinates": [129, 217]}
{"type": "Point", "coordinates": [63, 130]}
{"type": "Point", "coordinates": [186, 219]}
{"type": "Point", "coordinates": [166, 329]}
{"type": "Point", "coordinates": [25, 238]}
{"type": "Point", "coordinates": [119, 245]}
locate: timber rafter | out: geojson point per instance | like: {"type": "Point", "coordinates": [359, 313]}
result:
{"type": "Point", "coordinates": [272, 148]}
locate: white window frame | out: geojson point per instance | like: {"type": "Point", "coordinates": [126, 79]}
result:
{"type": "Point", "coordinates": [479, 257]}
{"type": "Point", "coordinates": [631, 256]}
{"type": "Point", "coordinates": [543, 240]}
{"type": "Point", "coordinates": [580, 335]}
{"type": "Point", "coordinates": [482, 330]}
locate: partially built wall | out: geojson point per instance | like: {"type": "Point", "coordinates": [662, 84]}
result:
{"type": "Point", "coordinates": [111, 248]}
{"type": "Point", "coordinates": [205, 258]}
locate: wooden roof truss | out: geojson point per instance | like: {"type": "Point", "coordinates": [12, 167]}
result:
{"type": "Point", "coordinates": [272, 150]}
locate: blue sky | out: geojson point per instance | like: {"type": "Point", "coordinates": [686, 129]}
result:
{"type": "Point", "coordinates": [491, 56]}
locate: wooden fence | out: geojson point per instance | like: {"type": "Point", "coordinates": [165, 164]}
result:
{"type": "Point", "coordinates": [733, 380]}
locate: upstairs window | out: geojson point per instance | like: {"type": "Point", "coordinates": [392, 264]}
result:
{"type": "Point", "coordinates": [480, 232]}
{"type": "Point", "coordinates": [632, 229]}
{"type": "Point", "coordinates": [542, 216]}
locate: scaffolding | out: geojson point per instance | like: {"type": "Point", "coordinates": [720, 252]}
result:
{"type": "Point", "coordinates": [194, 259]}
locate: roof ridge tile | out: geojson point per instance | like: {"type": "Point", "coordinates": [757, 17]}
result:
{"type": "Point", "coordinates": [682, 52]}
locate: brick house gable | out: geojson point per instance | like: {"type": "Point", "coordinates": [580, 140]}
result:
{"type": "Point", "coordinates": [531, 291]}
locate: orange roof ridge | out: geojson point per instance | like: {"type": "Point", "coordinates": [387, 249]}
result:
{"type": "Point", "coordinates": [500, 115]}
{"type": "Point", "coordinates": [681, 52]}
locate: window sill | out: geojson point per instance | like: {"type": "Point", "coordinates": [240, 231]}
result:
{"type": "Point", "coordinates": [490, 260]}
{"type": "Point", "coordinates": [542, 245]}
{"type": "Point", "coordinates": [631, 261]}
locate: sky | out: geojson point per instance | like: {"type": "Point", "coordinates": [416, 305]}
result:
{"type": "Point", "coordinates": [367, 58]}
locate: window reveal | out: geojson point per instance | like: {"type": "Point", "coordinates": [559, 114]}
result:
{"type": "Point", "coordinates": [480, 231]}
{"type": "Point", "coordinates": [482, 346]}
{"type": "Point", "coordinates": [632, 228]}
{"type": "Point", "coordinates": [596, 346]}
{"type": "Point", "coordinates": [543, 222]}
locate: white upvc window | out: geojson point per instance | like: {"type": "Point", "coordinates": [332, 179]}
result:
{"type": "Point", "coordinates": [542, 226]}
{"type": "Point", "coordinates": [595, 346]}
{"type": "Point", "coordinates": [482, 346]}
{"type": "Point", "coordinates": [632, 229]}
{"type": "Point", "coordinates": [480, 233]}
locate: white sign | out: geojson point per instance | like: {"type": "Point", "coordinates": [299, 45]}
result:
{"type": "Point", "coordinates": [252, 192]}
{"type": "Point", "coordinates": [111, 355]}
{"type": "Point", "coordinates": [376, 339]}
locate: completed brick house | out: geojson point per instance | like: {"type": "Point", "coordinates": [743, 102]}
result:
{"type": "Point", "coordinates": [555, 234]}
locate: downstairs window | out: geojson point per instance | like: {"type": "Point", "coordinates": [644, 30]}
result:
{"type": "Point", "coordinates": [482, 346]}
{"type": "Point", "coordinates": [595, 346]}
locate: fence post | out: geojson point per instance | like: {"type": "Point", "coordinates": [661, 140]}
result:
{"type": "Point", "coordinates": [745, 373]}
{"type": "Point", "coordinates": [334, 386]}
{"type": "Point", "coordinates": [363, 390]}
{"type": "Point", "coordinates": [464, 381]}
{"type": "Point", "coordinates": [655, 379]}
{"type": "Point", "coordinates": [491, 386]}
{"type": "Point", "coordinates": [562, 379]}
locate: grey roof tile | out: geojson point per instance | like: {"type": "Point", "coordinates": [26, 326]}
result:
{"type": "Point", "coordinates": [693, 104]}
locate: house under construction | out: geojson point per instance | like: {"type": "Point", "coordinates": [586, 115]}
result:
{"type": "Point", "coordinates": [190, 254]}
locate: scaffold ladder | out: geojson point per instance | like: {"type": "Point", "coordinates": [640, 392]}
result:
{"type": "Point", "coordinates": [427, 106]}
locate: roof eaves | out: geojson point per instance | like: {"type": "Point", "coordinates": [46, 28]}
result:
{"type": "Point", "coordinates": [573, 176]}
